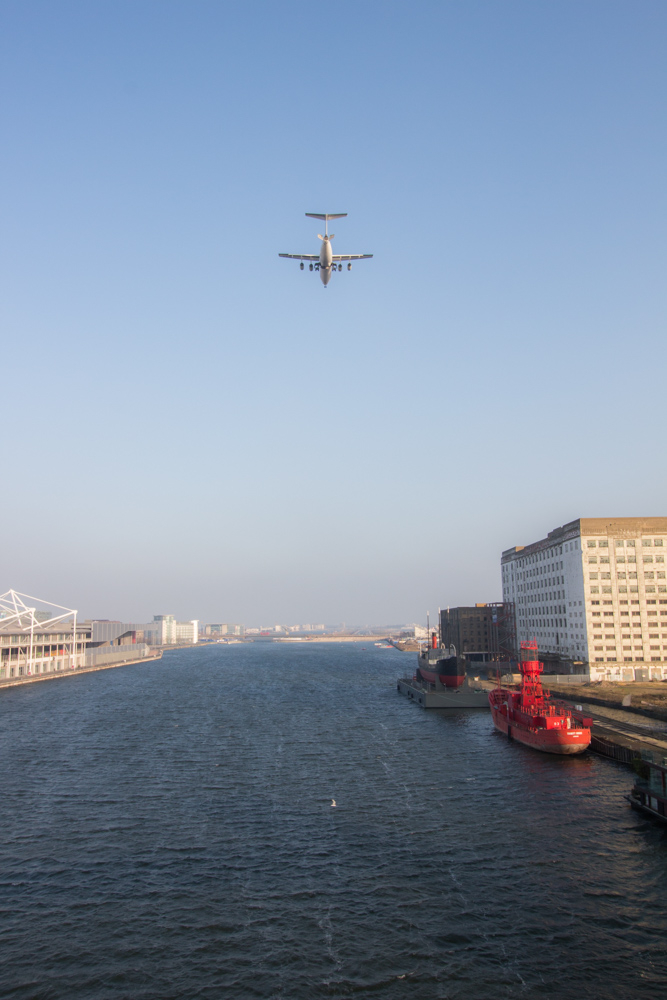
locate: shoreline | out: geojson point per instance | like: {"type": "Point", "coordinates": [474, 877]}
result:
{"type": "Point", "coordinates": [9, 682]}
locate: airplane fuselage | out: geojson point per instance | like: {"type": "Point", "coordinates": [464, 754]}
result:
{"type": "Point", "coordinates": [325, 260]}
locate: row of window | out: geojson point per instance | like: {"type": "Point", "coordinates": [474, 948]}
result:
{"type": "Point", "coordinates": [24, 640]}
{"type": "Point", "coordinates": [620, 543]}
{"type": "Point", "coordinates": [637, 637]}
{"type": "Point", "coordinates": [598, 648]}
{"type": "Point", "coordinates": [622, 589]}
{"type": "Point", "coordinates": [630, 559]}
{"type": "Point", "coordinates": [628, 659]}
{"type": "Point", "coordinates": [621, 575]}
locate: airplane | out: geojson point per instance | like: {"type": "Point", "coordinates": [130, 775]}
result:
{"type": "Point", "coordinates": [326, 262]}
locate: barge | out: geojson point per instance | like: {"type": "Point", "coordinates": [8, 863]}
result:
{"type": "Point", "coordinates": [440, 681]}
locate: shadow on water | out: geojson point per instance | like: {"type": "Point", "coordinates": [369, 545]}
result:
{"type": "Point", "coordinates": [168, 832]}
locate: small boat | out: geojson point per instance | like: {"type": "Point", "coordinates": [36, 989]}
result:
{"type": "Point", "coordinates": [531, 717]}
{"type": "Point", "coordinates": [649, 795]}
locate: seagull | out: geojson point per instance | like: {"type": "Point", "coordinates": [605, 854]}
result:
{"type": "Point", "coordinates": [333, 803]}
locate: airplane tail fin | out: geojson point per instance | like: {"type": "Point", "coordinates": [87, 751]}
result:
{"type": "Point", "coordinates": [314, 215]}
{"type": "Point", "coordinates": [330, 236]}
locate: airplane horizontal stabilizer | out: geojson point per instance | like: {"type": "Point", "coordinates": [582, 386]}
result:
{"type": "Point", "coordinates": [313, 215]}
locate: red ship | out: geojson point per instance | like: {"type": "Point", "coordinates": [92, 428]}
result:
{"type": "Point", "coordinates": [437, 666]}
{"type": "Point", "coordinates": [532, 718]}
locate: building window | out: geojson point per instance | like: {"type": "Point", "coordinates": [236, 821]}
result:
{"type": "Point", "coordinates": [657, 541]}
{"type": "Point", "coordinates": [590, 543]}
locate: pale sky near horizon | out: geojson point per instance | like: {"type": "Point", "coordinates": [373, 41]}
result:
{"type": "Point", "coordinates": [193, 426]}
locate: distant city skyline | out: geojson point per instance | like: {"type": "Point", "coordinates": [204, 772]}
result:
{"type": "Point", "coordinates": [192, 424]}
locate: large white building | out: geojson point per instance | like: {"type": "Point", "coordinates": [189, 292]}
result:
{"type": "Point", "coordinates": [595, 591]}
{"type": "Point", "coordinates": [169, 631]}
{"type": "Point", "coordinates": [187, 631]}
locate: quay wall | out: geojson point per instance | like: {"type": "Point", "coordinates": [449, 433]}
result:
{"type": "Point", "coordinates": [100, 662]}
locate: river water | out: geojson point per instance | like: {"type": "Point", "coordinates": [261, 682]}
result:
{"type": "Point", "coordinates": [167, 831]}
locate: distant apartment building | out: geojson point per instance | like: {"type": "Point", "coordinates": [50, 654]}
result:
{"type": "Point", "coordinates": [595, 591]}
{"type": "Point", "coordinates": [187, 631]}
{"type": "Point", "coordinates": [223, 628]}
{"type": "Point", "coordinates": [414, 631]}
{"type": "Point", "coordinates": [166, 629]}
{"type": "Point", "coordinates": [169, 631]}
{"type": "Point", "coordinates": [477, 632]}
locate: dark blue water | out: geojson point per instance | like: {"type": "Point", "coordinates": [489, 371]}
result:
{"type": "Point", "coordinates": [166, 831]}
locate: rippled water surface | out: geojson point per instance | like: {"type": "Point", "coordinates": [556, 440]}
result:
{"type": "Point", "coordinates": [167, 832]}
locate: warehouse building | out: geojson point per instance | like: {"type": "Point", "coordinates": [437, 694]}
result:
{"type": "Point", "coordinates": [594, 592]}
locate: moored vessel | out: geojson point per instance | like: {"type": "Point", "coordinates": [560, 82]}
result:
{"type": "Point", "coordinates": [649, 794]}
{"type": "Point", "coordinates": [531, 717]}
{"type": "Point", "coordinates": [438, 666]}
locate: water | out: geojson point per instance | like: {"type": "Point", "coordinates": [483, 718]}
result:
{"type": "Point", "coordinates": [167, 832]}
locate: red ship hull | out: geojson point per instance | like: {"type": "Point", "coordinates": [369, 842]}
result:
{"type": "Point", "coordinates": [530, 716]}
{"type": "Point", "coordinates": [567, 741]}
{"type": "Point", "coordinates": [447, 680]}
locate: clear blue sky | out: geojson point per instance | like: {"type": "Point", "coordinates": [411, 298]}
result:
{"type": "Point", "coordinates": [193, 426]}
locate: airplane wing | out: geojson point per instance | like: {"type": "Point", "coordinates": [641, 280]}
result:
{"type": "Point", "coordinates": [301, 256]}
{"type": "Point", "coordinates": [351, 256]}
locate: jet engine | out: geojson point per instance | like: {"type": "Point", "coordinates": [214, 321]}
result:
{"type": "Point", "coordinates": [340, 267]}
{"type": "Point", "coordinates": [349, 266]}
{"type": "Point", "coordinates": [310, 267]}
{"type": "Point", "coordinates": [301, 265]}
